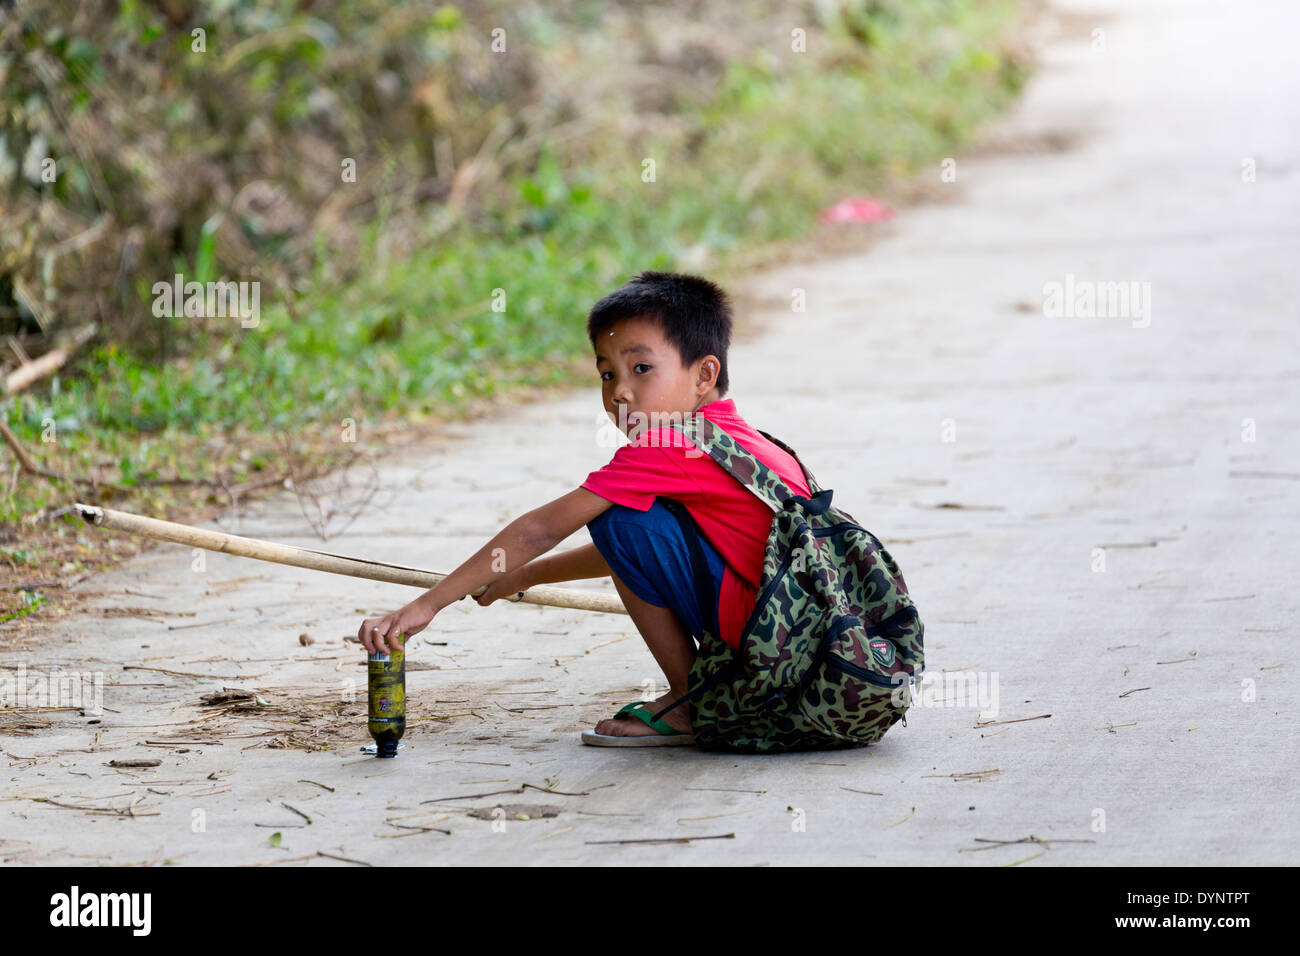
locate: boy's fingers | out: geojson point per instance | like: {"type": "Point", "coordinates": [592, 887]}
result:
{"type": "Point", "coordinates": [381, 636]}
{"type": "Point", "coordinates": [391, 635]}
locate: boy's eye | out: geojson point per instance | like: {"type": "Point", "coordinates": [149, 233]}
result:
{"type": "Point", "coordinates": [604, 378]}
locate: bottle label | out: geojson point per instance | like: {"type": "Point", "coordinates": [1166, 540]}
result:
{"type": "Point", "coordinates": [387, 688]}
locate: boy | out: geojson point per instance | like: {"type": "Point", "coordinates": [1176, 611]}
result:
{"type": "Point", "coordinates": [660, 343]}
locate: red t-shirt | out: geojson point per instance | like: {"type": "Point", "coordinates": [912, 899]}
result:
{"type": "Point", "coordinates": [662, 461]}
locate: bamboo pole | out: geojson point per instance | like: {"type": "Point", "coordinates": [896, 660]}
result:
{"type": "Point", "coordinates": [325, 561]}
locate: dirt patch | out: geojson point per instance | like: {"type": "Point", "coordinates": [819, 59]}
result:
{"type": "Point", "coordinates": [298, 723]}
{"type": "Point", "coordinates": [1036, 143]}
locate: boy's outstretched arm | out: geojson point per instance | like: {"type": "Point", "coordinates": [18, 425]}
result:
{"type": "Point", "coordinates": [572, 565]}
{"type": "Point", "coordinates": [531, 534]}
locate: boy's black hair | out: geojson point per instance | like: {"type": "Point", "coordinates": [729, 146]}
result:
{"type": "Point", "coordinates": [695, 315]}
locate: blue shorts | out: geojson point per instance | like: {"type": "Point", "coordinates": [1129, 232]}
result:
{"type": "Point", "coordinates": [648, 552]}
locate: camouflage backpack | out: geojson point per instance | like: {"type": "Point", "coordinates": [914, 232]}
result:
{"type": "Point", "coordinates": [827, 658]}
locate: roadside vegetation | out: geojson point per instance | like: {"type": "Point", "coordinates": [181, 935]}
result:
{"type": "Point", "coordinates": [497, 194]}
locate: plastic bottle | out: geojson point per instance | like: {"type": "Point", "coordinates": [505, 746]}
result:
{"type": "Point", "coordinates": [387, 700]}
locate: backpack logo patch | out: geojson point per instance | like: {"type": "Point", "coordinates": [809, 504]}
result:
{"type": "Point", "coordinates": [883, 651]}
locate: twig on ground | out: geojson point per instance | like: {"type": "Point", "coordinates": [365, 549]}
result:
{"type": "Point", "coordinates": [720, 836]}
{"type": "Point", "coordinates": [295, 810]}
{"type": "Point", "coordinates": [343, 858]}
{"type": "Point", "coordinates": [164, 670]}
{"type": "Point", "coordinates": [992, 723]}
{"type": "Point", "coordinates": [904, 820]}
{"type": "Point", "coordinates": [50, 362]}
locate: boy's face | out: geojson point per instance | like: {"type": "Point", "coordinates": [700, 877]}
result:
{"type": "Point", "coordinates": [641, 372]}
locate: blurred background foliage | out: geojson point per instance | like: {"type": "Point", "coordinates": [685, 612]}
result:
{"type": "Point", "coordinates": [165, 141]}
{"type": "Point", "coordinates": [210, 139]}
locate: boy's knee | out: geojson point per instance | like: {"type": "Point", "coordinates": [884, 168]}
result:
{"type": "Point", "coordinates": [602, 531]}
{"type": "Point", "coordinates": [626, 536]}
{"type": "Point", "coordinates": [598, 526]}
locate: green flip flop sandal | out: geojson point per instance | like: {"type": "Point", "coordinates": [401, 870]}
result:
{"type": "Point", "coordinates": [666, 736]}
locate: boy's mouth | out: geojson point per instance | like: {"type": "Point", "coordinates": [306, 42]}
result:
{"type": "Point", "coordinates": [631, 421]}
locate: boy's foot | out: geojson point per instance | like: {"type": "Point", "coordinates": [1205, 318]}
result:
{"type": "Point", "coordinates": [625, 725]}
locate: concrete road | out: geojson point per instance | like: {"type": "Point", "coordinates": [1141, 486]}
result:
{"type": "Point", "coordinates": [1065, 396]}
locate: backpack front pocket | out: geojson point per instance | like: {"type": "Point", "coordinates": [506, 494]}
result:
{"type": "Point", "coordinates": [849, 701]}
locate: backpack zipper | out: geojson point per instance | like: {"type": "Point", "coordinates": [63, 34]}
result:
{"type": "Point", "coordinates": [836, 661]}
{"type": "Point", "coordinates": [766, 594]}
{"type": "Point", "coordinates": [839, 662]}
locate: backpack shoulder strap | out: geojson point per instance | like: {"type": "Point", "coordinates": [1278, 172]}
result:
{"type": "Point", "coordinates": [813, 486]}
{"type": "Point", "coordinates": [745, 467]}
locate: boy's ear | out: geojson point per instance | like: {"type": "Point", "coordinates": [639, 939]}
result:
{"type": "Point", "coordinates": [710, 369]}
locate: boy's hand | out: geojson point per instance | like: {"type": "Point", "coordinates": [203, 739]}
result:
{"type": "Point", "coordinates": [504, 586]}
{"type": "Point", "coordinates": [380, 635]}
